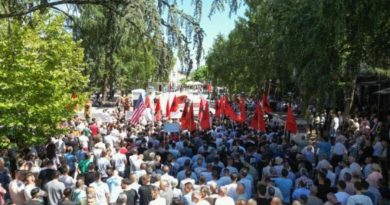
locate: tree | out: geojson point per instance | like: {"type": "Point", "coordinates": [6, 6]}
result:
{"type": "Point", "coordinates": [314, 48]}
{"type": "Point", "coordinates": [40, 69]}
{"type": "Point", "coordinates": [200, 74]}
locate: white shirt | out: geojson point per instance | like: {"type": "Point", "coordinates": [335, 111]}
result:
{"type": "Point", "coordinates": [16, 191]}
{"type": "Point", "coordinates": [120, 161]}
{"type": "Point", "coordinates": [101, 190]}
{"type": "Point", "coordinates": [84, 140]}
{"type": "Point", "coordinates": [103, 164]}
{"type": "Point", "coordinates": [336, 123]}
{"type": "Point", "coordinates": [224, 201]}
{"type": "Point", "coordinates": [202, 202]}
{"type": "Point", "coordinates": [158, 201]}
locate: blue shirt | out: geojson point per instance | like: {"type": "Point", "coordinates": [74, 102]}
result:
{"type": "Point", "coordinates": [285, 185]}
{"type": "Point", "coordinates": [70, 160]}
{"type": "Point", "coordinates": [248, 186]}
{"type": "Point", "coordinates": [299, 192]}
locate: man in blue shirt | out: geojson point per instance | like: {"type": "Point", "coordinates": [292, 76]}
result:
{"type": "Point", "coordinates": [285, 185]}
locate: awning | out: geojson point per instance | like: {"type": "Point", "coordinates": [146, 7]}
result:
{"type": "Point", "coordinates": [385, 91]}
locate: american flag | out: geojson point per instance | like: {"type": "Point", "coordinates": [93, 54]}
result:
{"type": "Point", "coordinates": [139, 110]}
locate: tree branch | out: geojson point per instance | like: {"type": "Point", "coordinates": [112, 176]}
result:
{"type": "Point", "coordinates": [56, 3]}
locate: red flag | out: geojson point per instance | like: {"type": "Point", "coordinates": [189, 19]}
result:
{"type": "Point", "coordinates": [209, 88]}
{"type": "Point", "coordinates": [147, 101]}
{"type": "Point", "coordinates": [200, 109]}
{"type": "Point", "coordinates": [181, 99]}
{"type": "Point", "coordinates": [217, 108]}
{"type": "Point", "coordinates": [258, 120]}
{"type": "Point", "coordinates": [229, 112]}
{"type": "Point", "coordinates": [265, 103]}
{"type": "Point", "coordinates": [242, 111]}
{"type": "Point", "coordinates": [190, 119]}
{"type": "Point", "coordinates": [291, 124]}
{"type": "Point", "coordinates": [205, 120]}
{"type": "Point", "coordinates": [167, 110]}
{"type": "Point", "coordinates": [157, 111]}
{"type": "Point", "coordinates": [175, 105]}
{"type": "Point", "coordinates": [222, 105]}
{"type": "Point", "coordinates": [183, 119]}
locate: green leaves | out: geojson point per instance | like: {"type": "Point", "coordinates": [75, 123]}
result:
{"type": "Point", "coordinates": [40, 67]}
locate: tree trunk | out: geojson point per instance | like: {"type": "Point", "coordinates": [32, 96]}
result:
{"type": "Point", "coordinates": [349, 96]}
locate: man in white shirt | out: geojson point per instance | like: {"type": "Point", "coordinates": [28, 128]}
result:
{"type": "Point", "coordinates": [224, 199]}
{"type": "Point", "coordinates": [16, 189]}
{"type": "Point", "coordinates": [157, 200]}
{"type": "Point", "coordinates": [120, 163]}
{"type": "Point", "coordinates": [166, 175]}
{"type": "Point", "coordinates": [102, 190]}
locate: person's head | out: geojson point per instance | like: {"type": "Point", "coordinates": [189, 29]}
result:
{"type": "Point", "coordinates": [145, 179]}
{"type": "Point", "coordinates": [155, 192]}
{"type": "Point", "coordinates": [67, 192]}
{"type": "Point", "coordinates": [188, 173]}
{"type": "Point", "coordinates": [166, 169]}
{"type": "Point", "coordinates": [97, 176]}
{"type": "Point", "coordinates": [251, 202]}
{"type": "Point", "coordinates": [296, 202]}
{"type": "Point", "coordinates": [56, 175]}
{"type": "Point", "coordinates": [276, 201]}
{"type": "Point", "coordinates": [261, 189]}
{"type": "Point", "coordinates": [243, 172]}
{"type": "Point", "coordinates": [365, 185]}
{"type": "Point", "coordinates": [125, 183]}
{"type": "Point", "coordinates": [226, 172]}
{"type": "Point", "coordinates": [358, 186]}
{"type": "Point", "coordinates": [188, 187]}
{"type": "Point", "coordinates": [313, 190]}
{"type": "Point", "coordinates": [222, 191]}
{"type": "Point", "coordinates": [174, 183]}
{"type": "Point", "coordinates": [204, 191]}
{"type": "Point", "coordinates": [240, 188]}
{"type": "Point", "coordinates": [164, 185]}
{"type": "Point", "coordinates": [240, 202]}
{"type": "Point", "coordinates": [196, 196]}
{"type": "Point", "coordinates": [133, 178]}
{"type": "Point", "coordinates": [122, 199]}
{"type": "Point", "coordinates": [284, 172]}
{"type": "Point", "coordinates": [35, 193]}
{"type": "Point", "coordinates": [341, 185]}
{"type": "Point", "coordinates": [30, 178]}
{"type": "Point", "coordinates": [233, 177]}
{"type": "Point", "coordinates": [347, 177]}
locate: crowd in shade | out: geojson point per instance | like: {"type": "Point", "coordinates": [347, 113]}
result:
{"type": "Point", "coordinates": [340, 160]}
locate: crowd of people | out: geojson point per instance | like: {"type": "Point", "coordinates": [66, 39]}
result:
{"type": "Point", "coordinates": [341, 160]}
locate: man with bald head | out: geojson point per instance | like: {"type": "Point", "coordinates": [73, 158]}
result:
{"type": "Point", "coordinates": [198, 200]}
{"type": "Point", "coordinates": [165, 191]}
{"type": "Point", "coordinates": [166, 175]}
{"type": "Point", "coordinates": [276, 201]}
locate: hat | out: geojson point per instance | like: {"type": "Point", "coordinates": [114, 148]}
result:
{"type": "Point", "coordinates": [278, 160]}
{"type": "Point", "coordinates": [123, 150]}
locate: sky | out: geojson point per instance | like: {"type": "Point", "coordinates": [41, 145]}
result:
{"type": "Point", "coordinates": [218, 23]}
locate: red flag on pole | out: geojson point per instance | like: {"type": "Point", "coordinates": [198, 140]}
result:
{"type": "Point", "coordinates": [157, 111]}
{"type": "Point", "coordinates": [167, 110]}
{"type": "Point", "coordinates": [242, 117]}
{"type": "Point", "coordinates": [205, 120]}
{"type": "Point", "coordinates": [175, 105]}
{"type": "Point", "coordinates": [190, 119]}
{"type": "Point", "coordinates": [217, 108]}
{"type": "Point", "coordinates": [230, 113]}
{"type": "Point", "coordinates": [209, 88]}
{"type": "Point", "coordinates": [183, 119]}
{"type": "Point", "coordinates": [222, 102]}
{"type": "Point", "coordinates": [200, 109]}
{"type": "Point", "coordinates": [147, 101]}
{"type": "Point", "coordinates": [291, 124]}
{"type": "Point", "coordinates": [265, 103]}
{"type": "Point", "coordinates": [258, 122]}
